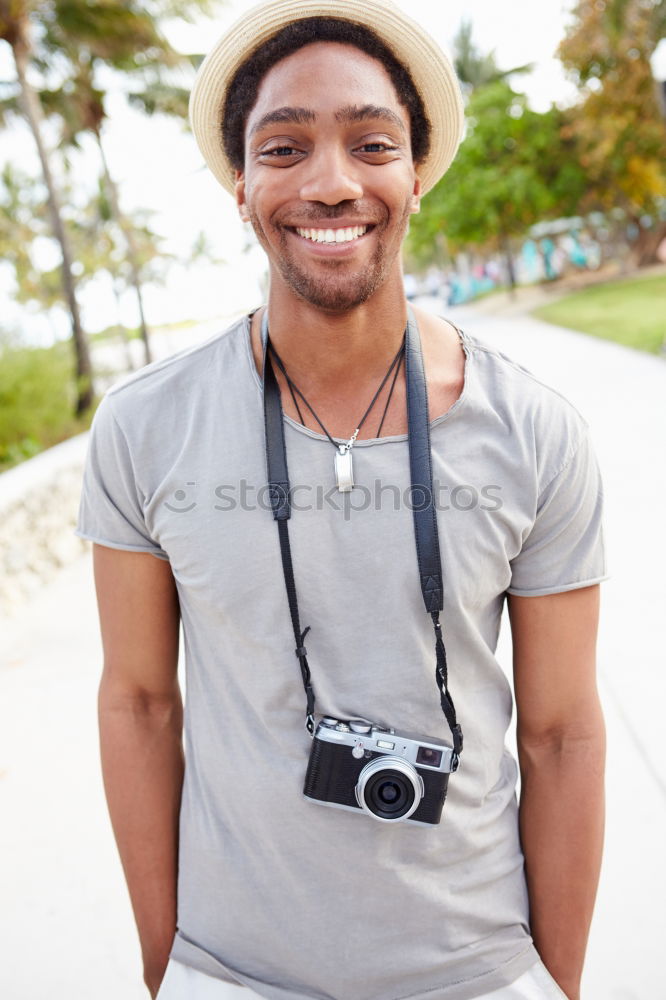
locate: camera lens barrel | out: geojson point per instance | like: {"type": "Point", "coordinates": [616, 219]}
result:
{"type": "Point", "coordinates": [389, 789]}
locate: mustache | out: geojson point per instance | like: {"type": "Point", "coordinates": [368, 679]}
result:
{"type": "Point", "coordinates": [350, 210]}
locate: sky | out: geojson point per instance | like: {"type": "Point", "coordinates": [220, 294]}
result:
{"type": "Point", "coordinates": [158, 167]}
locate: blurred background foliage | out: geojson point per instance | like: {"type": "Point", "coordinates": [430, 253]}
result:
{"type": "Point", "coordinates": [606, 153]}
{"type": "Point", "coordinates": [66, 44]}
{"type": "Point", "coordinates": [600, 161]}
{"type": "Point", "coordinates": [513, 169]}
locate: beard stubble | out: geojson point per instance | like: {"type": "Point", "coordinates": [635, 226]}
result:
{"type": "Point", "coordinates": [341, 290]}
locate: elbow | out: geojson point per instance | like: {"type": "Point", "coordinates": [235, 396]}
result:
{"type": "Point", "coordinates": [576, 743]}
{"type": "Point", "coordinates": [125, 698]}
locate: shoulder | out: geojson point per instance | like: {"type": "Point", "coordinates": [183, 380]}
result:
{"type": "Point", "coordinates": [509, 380]}
{"type": "Point", "coordinates": [443, 359]}
{"type": "Point", "coordinates": [182, 374]}
{"type": "Point", "coordinates": [538, 424]}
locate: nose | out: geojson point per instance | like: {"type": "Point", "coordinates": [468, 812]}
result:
{"type": "Point", "coordinates": [331, 178]}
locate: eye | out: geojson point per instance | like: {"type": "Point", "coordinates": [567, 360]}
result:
{"type": "Point", "coordinates": [377, 151]}
{"type": "Point", "coordinates": [279, 151]}
{"type": "Point", "coordinates": [377, 147]}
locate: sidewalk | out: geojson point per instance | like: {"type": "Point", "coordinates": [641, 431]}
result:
{"type": "Point", "coordinates": [622, 395]}
{"type": "Point", "coordinates": [66, 925]}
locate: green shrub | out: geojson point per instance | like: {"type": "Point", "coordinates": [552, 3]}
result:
{"type": "Point", "coordinates": [37, 400]}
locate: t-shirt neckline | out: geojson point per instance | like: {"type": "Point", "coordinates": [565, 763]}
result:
{"type": "Point", "coordinates": [465, 343]}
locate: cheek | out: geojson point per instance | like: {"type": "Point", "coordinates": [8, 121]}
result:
{"type": "Point", "coordinates": [261, 226]}
{"type": "Point", "coordinates": [260, 203]}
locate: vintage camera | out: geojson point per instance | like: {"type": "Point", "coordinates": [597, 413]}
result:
{"type": "Point", "coordinates": [393, 777]}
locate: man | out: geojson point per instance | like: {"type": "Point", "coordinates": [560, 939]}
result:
{"type": "Point", "coordinates": [328, 132]}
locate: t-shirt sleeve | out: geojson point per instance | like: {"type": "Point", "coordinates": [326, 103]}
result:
{"type": "Point", "coordinates": [110, 509]}
{"type": "Point", "coordinates": [564, 549]}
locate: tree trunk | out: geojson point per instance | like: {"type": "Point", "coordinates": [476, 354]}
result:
{"type": "Point", "coordinates": [122, 332]}
{"type": "Point", "coordinates": [644, 251]}
{"type": "Point", "coordinates": [32, 110]}
{"type": "Point", "coordinates": [508, 257]}
{"type": "Point", "coordinates": [132, 255]}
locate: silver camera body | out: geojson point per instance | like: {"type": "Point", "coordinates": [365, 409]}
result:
{"type": "Point", "coordinates": [392, 777]}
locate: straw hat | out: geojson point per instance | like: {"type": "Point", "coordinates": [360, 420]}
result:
{"type": "Point", "coordinates": [430, 70]}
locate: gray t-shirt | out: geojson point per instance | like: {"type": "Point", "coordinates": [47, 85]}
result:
{"type": "Point", "coordinates": [290, 898]}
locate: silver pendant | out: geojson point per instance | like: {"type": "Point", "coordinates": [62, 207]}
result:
{"type": "Point", "coordinates": [343, 468]}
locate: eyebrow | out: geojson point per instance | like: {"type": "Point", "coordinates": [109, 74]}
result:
{"type": "Point", "coordinates": [286, 115]}
{"type": "Point", "coordinates": [351, 114]}
{"type": "Point", "coordinates": [348, 115]}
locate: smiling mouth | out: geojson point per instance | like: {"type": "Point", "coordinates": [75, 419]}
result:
{"type": "Point", "coordinates": [345, 235]}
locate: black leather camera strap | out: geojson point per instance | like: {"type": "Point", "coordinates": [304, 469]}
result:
{"type": "Point", "coordinates": [424, 512]}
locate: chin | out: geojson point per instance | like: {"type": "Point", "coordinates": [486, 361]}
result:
{"type": "Point", "coordinates": [334, 300]}
{"type": "Point", "coordinates": [335, 296]}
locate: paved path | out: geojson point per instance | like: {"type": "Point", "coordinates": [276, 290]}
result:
{"type": "Point", "coordinates": [65, 925]}
{"type": "Point", "coordinates": [622, 394]}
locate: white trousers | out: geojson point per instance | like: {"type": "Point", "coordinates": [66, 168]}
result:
{"type": "Point", "coordinates": [183, 983]}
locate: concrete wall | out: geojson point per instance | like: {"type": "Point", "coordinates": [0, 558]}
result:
{"type": "Point", "coordinates": [39, 502]}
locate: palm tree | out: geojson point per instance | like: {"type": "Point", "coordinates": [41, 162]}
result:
{"type": "Point", "coordinates": [80, 107]}
{"type": "Point", "coordinates": [102, 247]}
{"type": "Point", "coordinates": [16, 30]}
{"type": "Point", "coordinates": [125, 37]}
{"type": "Point", "coordinates": [475, 70]}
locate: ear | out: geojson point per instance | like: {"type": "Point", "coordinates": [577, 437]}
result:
{"type": "Point", "coordinates": [416, 196]}
{"type": "Point", "coordinates": [239, 192]}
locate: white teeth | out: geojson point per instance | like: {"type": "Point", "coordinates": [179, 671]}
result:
{"type": "Point", "coordinates": [333, 235]}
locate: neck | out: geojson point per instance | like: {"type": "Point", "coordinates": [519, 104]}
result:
{"type": "Point", "coordinates": [323, 351]}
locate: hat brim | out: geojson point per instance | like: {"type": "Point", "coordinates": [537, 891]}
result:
{"type": "Point", "coordinates": [430, 69]}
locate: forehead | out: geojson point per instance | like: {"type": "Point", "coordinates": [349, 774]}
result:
{"type": "Point", "coordinates": [325, 76]}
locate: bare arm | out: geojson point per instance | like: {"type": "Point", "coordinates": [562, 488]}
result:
{"type": "Point", "coordinates": [561, 749]}
{"type": "Point", "coordinates": [140, 720]}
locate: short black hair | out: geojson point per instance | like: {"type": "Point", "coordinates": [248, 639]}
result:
{"type": "Point", "coordinates": [244, 87]}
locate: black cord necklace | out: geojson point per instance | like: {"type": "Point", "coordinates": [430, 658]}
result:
{"type": "Point", "coordinates": [343, 457]}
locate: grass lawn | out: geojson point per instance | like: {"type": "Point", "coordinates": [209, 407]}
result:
{"type": "Point", "coordinates": [631, 312]}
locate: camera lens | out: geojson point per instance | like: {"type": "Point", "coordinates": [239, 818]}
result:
{"type": "Point", "coordinates": [389, 789]}
{"type": "Point", "coordinates": [389, 798]}
{"type": "Point", "coordinates": [388, 792]}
